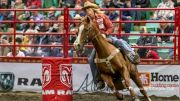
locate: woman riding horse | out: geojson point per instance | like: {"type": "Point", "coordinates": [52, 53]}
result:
{"type": "Point", "coordinates": [106, 27]}
{"type": "Point", "coordinates": [115, 68]}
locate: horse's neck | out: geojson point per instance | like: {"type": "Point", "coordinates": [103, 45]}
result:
{"type": "Point", "coordinates": [101, 46]}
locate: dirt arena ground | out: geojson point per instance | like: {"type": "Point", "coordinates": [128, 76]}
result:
{"type": "Point", "coordinates": [24, 96]}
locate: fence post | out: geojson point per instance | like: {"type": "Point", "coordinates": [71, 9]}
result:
{"type": "Point", "coordinates": [178, 23]}
{"type": "Point", "coordinates": [66, 28]}
{"type": "Point", "coordinates": [14, 34]}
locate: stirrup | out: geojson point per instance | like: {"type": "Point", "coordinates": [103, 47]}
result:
{"type": "Point", "coordinates": [135, 59]}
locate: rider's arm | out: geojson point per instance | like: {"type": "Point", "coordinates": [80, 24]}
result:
{"type": "Point", "coordinates": [108, 24]}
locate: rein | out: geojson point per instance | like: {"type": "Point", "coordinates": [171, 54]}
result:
{"type": "Point", "coordinates": [104, 60]}
{"type": "Point", "coordinates": [107, 59]}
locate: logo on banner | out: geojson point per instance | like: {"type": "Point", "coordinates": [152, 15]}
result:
{"type": "Point", "coordinates": [145, 78]}
{"type": "Point", "coordinates": [7, 81]}
{"type": "Point", "coordinates": [65, 74]}
{"type": "Point", "coordinates": [46, 73]}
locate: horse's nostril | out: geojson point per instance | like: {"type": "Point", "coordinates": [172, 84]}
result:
{"type": "Point", "coordinates": [78, 45]}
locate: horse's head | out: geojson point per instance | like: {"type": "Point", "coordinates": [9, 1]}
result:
{"type": "Point", "coordinates": [85, 33]}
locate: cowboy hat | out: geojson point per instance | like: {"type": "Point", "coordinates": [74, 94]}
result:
{"type": "Point", "coordinates": [88, 4]}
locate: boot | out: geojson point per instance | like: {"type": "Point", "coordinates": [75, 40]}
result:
{"type": "Point", "coordinates": [134, 58]}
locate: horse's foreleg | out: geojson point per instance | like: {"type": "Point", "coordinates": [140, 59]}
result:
{"type": "Point", "coordinates": [126, 77]}
{"type": "Point", "coordinates": [135, 78]}
{"type": "Point", "coordinates": [108, 79]}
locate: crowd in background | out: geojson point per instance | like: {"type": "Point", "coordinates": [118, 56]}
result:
{"type": "Point", "coordinates": [23, 39]}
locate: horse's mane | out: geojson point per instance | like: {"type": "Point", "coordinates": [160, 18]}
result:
{"type": "Point", "coordinates": [93, 25]}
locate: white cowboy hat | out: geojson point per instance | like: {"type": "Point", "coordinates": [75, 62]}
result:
{"type": "Point", "coordinates": [88, 4]}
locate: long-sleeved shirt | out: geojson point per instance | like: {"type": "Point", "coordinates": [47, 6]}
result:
{"type": "Point", "coordinates": [165, 13]}
{"type": "Point", "coordinates": [104, 23]}
{"type": "Point", "coordinates": [146, 41]}
{"type": "Point", "coordinates": [152, 55]}
{"type": "Point", "coordinates": [168, 29]}
{"type": "Point", "coordinates": [33, 2]}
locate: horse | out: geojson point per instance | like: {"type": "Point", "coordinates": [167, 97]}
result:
{"type": "Point", "coordinates": [109, 60]}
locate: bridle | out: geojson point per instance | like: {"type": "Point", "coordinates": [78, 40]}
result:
{"type": "Point", "coordinates": [87, 38]}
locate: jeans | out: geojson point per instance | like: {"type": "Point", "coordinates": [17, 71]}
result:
{"type": "Point", "coordinates": [119, 43]}
{"type": "Point", "coordinates": [94, 70]}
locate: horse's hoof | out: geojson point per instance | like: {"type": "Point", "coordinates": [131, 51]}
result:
{"type": "Point", "coordinates": [135, 99]}
{"type": "Point", "coordinates": [119, 96]}
{"type": "Point", "coordinates": [149, 99]}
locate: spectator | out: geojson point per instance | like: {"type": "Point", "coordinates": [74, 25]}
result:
{"type": "Point", "coordinates": [127, 15]}
{"type": "Point", "coordinates": [29, 39]}
{"type": "Point", "coordinates": [4, 40]}
{"type": "Point", "coordinates": [151, 54]}
{"type": "Point", "coordinates": [36, 16]}
{"type": "Point", "coordinates": [5, 15]}
{"type": "Point", "coordinates": [31, 3]}
{"type": "Point", "coordinates": [147, 41]}
{"type": "Point", "coordinates": [75, 26]}
{"type": "Point", "coordinates": [113, 15]}
{"type": "Point", "coordinates": [42, 40]}
{"type": "Point", "coordinates": [55, 39]}
{"type": "Point", "coordinates": [176, 3]}
{"type": "Point", "coordinates": [61, 24]}
{"type": "Point", "coordinates": [142, 4]}
{"type": "Point", "coordinates": [50, 3]}
{"type": "Point", "coordinates": [18, 52]}
{"type": "Point", "coordinates": [165, 28]}
{"type": "Point", "coordinates": [78, 4]}
{"type": "Point", "coordinates": [105, 3]}
{"type": "Point", "coordinates": [47, 39]}
{"type": "Point", "coordinates": [67, 3]}
{"type": "Point", "coordinates": [169, 14]}
{"type": "Point", "coordinates": [51, 16]}
{"type": "Point", "coordinates": [5, 3]}
{"type": "Point", "coordinates": [19, 5]}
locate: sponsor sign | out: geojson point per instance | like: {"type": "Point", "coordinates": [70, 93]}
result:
{"type": "Point", "coordinates": [46, 74]}
{"type": "Point", "coordinates": [6, 81]}
{"type": "Point", "coordinates": [159, 80]}
{"type": "Point", "coordinates": [57, 79]}
{"type": "Point", "coordinates": [145, 78]}
{"type": "Point", "coordinates": [65, 74]}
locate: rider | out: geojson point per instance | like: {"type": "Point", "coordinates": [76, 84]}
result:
{"type": "Point", "coordinates": [106, 27]}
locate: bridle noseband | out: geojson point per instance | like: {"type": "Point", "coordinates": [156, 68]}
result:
{"type": "Point", "coordinates": [87, 38]}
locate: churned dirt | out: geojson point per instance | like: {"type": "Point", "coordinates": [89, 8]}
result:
{"type": "Point", "coordinates": [98, 96]}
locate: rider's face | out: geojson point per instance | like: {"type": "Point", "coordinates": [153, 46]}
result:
{"type": "Point", "coordinates": [90, 12]}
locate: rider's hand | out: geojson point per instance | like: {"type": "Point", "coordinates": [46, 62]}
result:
{"type": "Point", "coordinates": [109, 40]}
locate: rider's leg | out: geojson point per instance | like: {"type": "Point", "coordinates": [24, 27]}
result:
{"type": "Point", "coordinates": [95, 72]}
{"type": "Point", "coordinates": [120, 43]}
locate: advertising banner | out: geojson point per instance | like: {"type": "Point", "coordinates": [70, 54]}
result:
{"type": "Point", "coordinates": [159, 80]}
{"type": "Point", "coordinates": [57, 79]}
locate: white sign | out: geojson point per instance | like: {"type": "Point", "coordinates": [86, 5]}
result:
{"type": "Point", "coordinates": [159, 80]}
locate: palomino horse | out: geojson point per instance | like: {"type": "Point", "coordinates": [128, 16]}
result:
{"type": "Point", "coordinates": [109, 60]}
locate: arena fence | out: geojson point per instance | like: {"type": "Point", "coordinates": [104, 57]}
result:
{"type": "Point", "coordinates": [66, 34]}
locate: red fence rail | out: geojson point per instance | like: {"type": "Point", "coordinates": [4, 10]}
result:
{"type": "Point", "coordinates": [66, 35]}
